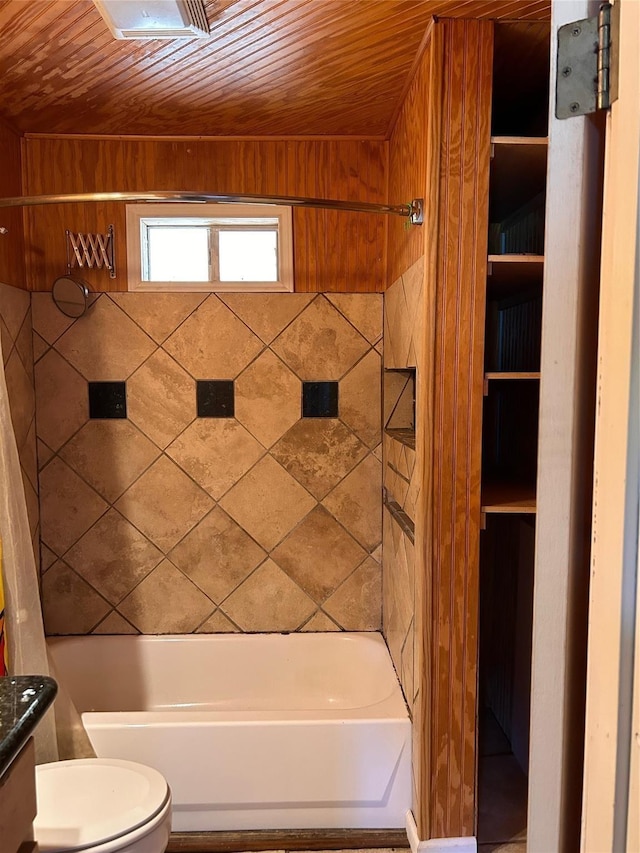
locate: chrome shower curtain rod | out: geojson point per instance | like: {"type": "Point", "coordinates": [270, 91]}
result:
{"type": "Point", "coordinates": [413, 210]}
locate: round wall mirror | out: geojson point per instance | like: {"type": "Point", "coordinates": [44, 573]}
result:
{"type": "Point", "coordinates": [71, 295]}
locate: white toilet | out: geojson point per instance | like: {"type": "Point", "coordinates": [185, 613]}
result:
{"type": "Point", "coordinates": [101, 805]}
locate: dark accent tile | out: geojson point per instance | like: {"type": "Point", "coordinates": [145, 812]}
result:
{"type": "Point", "coordinates": [107, 400]}
{"type": "Point", "coordinates": [215, 398]}
{"type": "Point", "coordinates": [319, 399]}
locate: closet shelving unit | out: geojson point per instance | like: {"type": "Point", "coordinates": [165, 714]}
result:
{"type": "Point", "coordinates": [510, 422]}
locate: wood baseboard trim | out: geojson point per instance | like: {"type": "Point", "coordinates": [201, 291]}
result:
{"type": "Point", "coordinates": [294, 839]}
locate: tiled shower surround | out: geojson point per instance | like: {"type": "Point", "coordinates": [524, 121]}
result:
{"type": "Point", "coordinates": [17, 356]}
{"type": "Point", "coordinates": [166, 521]}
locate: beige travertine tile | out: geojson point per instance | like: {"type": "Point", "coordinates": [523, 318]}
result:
{"type": "Point", "coordinates": [403, 414]}
{"type": "Point", "coordinates": [68, 506]}
{"type": "Point", "coordinates": [363, 310]}
{"type": "Point", "coordinates": [21, 397]}
{"type": "Point", "coordinates": [31, 499]}
{"type": "Point", "coordinates": [267, 502]}
{"type": "Point", "coordinates": [319, 554]}
{"type": "Point", "coordinates": [14, 305]}
{"type": "Point", "coordinates": [166, 602]}
{"type": "Point", "coordinates": [113, 556]}
{"type": "Point", "coordinates": [159, 314]}
{"type": "Point", "coordinates": [47, 557]}
{"type": "Point", "coordinates": [267, 314]}
{"type": "Point", "coordinates": [24, 345]}
{"type": "Point", "coordinates": [161, 398]}
{"type": "Point", "coordinates": [217, 555]}
{"type": "Point", "coordinates": [356, 502]}
{"type": "Point", "coordinates": [48, 321]}
{"type": "Point", "coordinates": [319, 452]}
{"type": "Point", "coordinates": [213, 343]}
{"type": "Point", "coordinates": [267, 398]}
{"type": "Point", "coordinates": [320, 622]}
{"type": "Point", "coordinates": [70, 605]}
{"type": "Point", "coordinates": [360, 399]}
{"type": "Point", "coordinates": [164, 504]}
{"type": "Point", "coordinates": [395, 384]}
{"type": "Point", "coordinates": [377, 452]}
{"type": "Point", "coordinates": [357, 604]}
{"type": "Point", "coordinates": [320, 344]}
{"type": "Point", "coordinates": [377, 554]}
{"type": "Point", "coordinates": [407, 656]}
{"type": "Point", "coordinates": [40, 346]}
{"type": "Point", "coordinates": [6, 341]}
{"type": "Point", "coordinates": [28, 457]}
{"type": "Point", "coordinates": [62, 400]}
{"type": "Point", "coordinates": [268, 601]}
{"type": "Point", "coordinates": [397, 328]}
{"type": "Point", "coordinates": [35, 546]}
{"type": "Point", "coordinates": [216, 452]}
{"type": "Point", "coordinates": [397, 587]}
{"type": "Point", "coordinates": [105, 345]}
{"type": "Point", "coordinates": [114, 623]}
{"type": "Point", "coordinates": [109, 455]}
{"type": "Point", "coordinates": [218, 623]}
{"type": "Point", "coordinates": [44, 453]}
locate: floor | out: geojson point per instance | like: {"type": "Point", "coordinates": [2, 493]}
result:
{"type": "Point", "coordinates": [502, 817]}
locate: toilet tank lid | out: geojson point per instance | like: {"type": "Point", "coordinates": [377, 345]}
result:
{"type": "Point", "coordinates": [85, 802]}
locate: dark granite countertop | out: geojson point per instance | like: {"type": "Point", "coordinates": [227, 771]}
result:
{"type": "Point", "coordinates": [23, 702]}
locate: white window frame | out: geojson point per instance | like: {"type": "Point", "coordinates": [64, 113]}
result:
{"type": "Point", "coordinates": [139, 214]}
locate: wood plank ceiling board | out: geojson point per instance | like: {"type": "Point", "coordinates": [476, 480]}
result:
{"type": "Point", "coordinates": [273, 68]}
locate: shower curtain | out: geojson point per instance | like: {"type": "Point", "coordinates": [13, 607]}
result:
{"type": "Point", "coordinates": [24, 631]}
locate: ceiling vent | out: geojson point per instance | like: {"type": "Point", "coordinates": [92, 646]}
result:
{"type": "Point", "coordinates": [155, 19]}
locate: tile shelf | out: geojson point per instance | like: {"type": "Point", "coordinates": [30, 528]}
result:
{"type": "Point", "coordinates": [404, 436]}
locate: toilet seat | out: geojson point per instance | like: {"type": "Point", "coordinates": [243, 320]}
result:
{"type": "Point", "coordinates": [97, 804]}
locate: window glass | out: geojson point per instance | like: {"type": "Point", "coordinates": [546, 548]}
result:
{"type": "Point", "coordinates": [248, 255]}
{"type": "Point", "coordinates": [176, 253]}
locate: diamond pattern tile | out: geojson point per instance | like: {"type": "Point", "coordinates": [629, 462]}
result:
{"type": "Point", "coordinates": [357, 604]}
{"type": "Point", "coordinates": [267, 398]}
{"type": "Point", "coordinates": [24, 345]}
{"type": "Point", "coordinates": [62, 403]}
{"type": "Point", "coordinates": [268, 601]}
{"type": "Point", "coordinates": [356, 503]}
{"type": "Point", "coordinates": [114, 623]}
{"type": "Point", "coordinates": [166, 602]}
{"type": "Point", "coordinates": [68, 506]}
{"type": "Point", "coordinates": [158, 314]}
{"type": "Point", "coordinates": [362, 310]}
{"type": "Point", "coordinates": [320, 622]}
{"type": "Point", "coordinates": [215, 453]}
{"type": "Point", "coordinates": [218, 623]}
{"type": "Point", "coordinates": [48, 321]}
{"type": "Point", "coordinates": [6, 341]}
{"type": "Point", "coordinates": [14, 305]}
{"type": "Point", "coordinates": [320, 344]}
{"type": "Point", "coordinates": [109, 455]}
{"type": "Point", "coordinates": [217, 555]}
{"type": "Point", "coordinates": [267, 502]}
{"type": "Point", "coordinates": [40, 346]}
{"type": "Point", "coordinates": [161, 398]}
{"type": "Point", "coordinates": [319, 453]}
{"type": "Point", "coordinates": [213, 343]}
{"type": "Point", "coordinates": [105, 345]}
{"type": "Point", "coordinates": [303, 554]}
{"type": "Point", "coordinates": [268, 315]}
{"type": "Point", "coordinates": [21, 397]}
{"type": "Point", "coordinates": [164, 504]}
{"type": "Point", "coordinates": [361, 399]}
{"type": "Point", "coordinates": [113, 556]}
{"type": "Point", "coordinates": [70, 605]}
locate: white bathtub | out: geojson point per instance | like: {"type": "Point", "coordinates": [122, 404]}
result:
{"type": "Point", "coordinates": [262, 731]}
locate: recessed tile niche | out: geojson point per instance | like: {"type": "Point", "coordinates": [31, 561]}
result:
{"type": "Point", "coordinates": [400, 404]}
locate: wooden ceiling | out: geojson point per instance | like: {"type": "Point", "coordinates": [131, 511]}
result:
{"type": "Point", "coordinates": [273, 67]}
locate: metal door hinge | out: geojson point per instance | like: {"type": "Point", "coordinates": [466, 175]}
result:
{"type": "Point", "coordinates": [588, 63]}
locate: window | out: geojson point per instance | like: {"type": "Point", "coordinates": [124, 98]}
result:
{"type": "Point", "coordinates": [217, 247]}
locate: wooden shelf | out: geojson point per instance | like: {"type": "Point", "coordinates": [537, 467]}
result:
{"type": "Point", "coordinates": [518, 173]}
{"type": "Point", "coordinates": [508, 274]}
{"type": "Point", "coordinates": [404, 436]}
{"type": "Point", "coordinates": [508, 498]}
{"type": "Point", "coordinates": [511, 375]}
{"type": "Point", "coordinates": [521, 260]}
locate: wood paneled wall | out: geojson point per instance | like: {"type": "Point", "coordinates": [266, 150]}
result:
{"type": "Point", "coordinates": [459, 342]}
{"type": "Point", "coordinates": [333, 251]}
{"type": "Point", "coordinates": [440, 148]}
{"type": "Point", "coordinates": [12, 267]}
